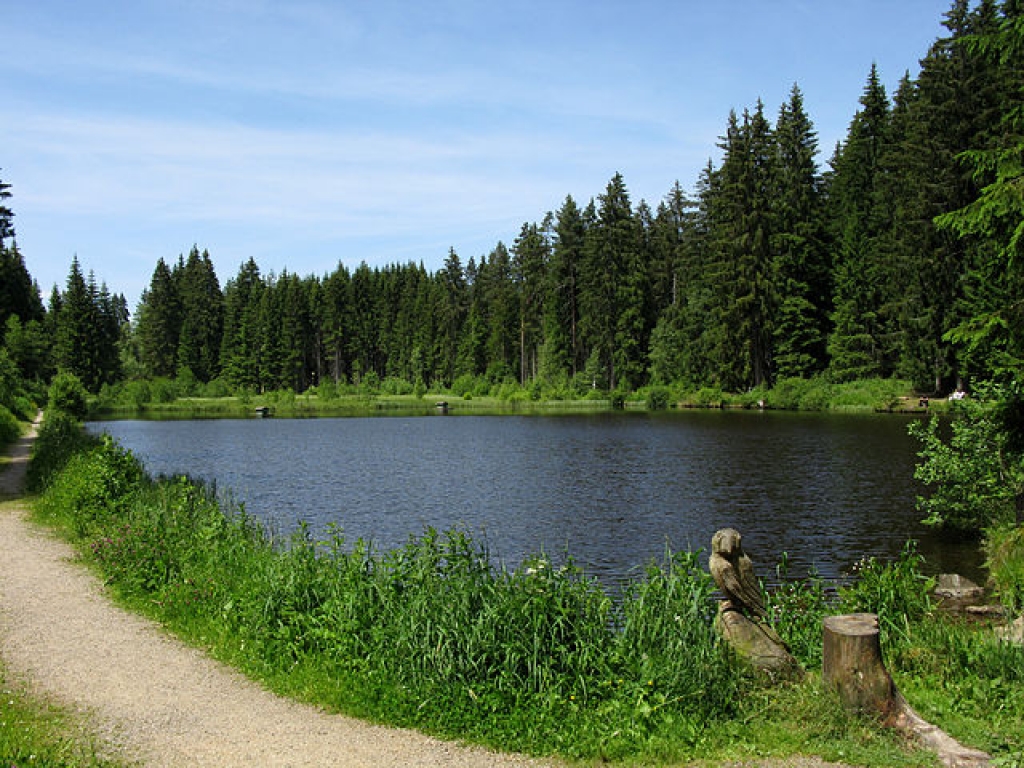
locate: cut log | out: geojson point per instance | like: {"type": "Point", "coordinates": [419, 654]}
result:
{"type": "Point", "coordinates": [852, 664]}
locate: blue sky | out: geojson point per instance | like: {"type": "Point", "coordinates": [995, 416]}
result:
{"type": "Point", "coordinates": [308, 133]}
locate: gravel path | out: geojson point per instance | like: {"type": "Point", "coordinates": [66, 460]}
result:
{"type": "Point", "coordinates": [153, 699]}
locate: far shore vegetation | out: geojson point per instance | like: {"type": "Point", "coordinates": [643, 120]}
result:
{"type": "Point", "coordinates": [175, 398]}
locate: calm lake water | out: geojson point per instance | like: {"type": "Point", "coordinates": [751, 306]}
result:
{"type": "Point", "coordinates": [612, 490]}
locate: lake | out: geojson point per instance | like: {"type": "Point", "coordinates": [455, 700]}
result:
{"type": "Point", "coordinates": [612, 490]}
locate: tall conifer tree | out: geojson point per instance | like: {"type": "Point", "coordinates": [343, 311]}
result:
{"type": "Point", "coordinates": [801, 271]}
{"type": "Point", "coordinates": [862, 343]}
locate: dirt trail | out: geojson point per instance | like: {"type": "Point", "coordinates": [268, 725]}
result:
{"type": "Point", "coordinates": [153, 699]}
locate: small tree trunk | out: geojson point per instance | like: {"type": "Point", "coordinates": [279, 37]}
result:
{"type": "Point", "coordinates": [852, 664]}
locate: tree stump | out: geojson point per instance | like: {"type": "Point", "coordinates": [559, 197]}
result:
{"type": "Point", "coordinates": [852, 664]}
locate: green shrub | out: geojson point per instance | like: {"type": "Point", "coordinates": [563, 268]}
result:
{"type": "Point", "coordinates": [10, 430]}
{"type": "Point", "coordinates": [797, 394]}
{"type": "Point", "coordinates": [709, 397]}
{"type": "Point", "coordinates": [971, 479]}
{"type": "Point", "coordinates": [395, 385]}
{"type": "Point", "coordinates": [60, 437]}
{"type": "Point", "coordinates": [657, 398]}
{"type": "Point", "coordinates": [215, 388]}
{"type": "Point", "coordinates": [68, 394]}
{"type": "Point", "coordinates": [94, 488]}
{"type": "Point", "coordinates": [796, 609]}
{"type": "Point", "coordinates": [163, 390]}
{"type": "Point", "coordinates": [369, 384]}
{"type": "Point", "coordinates": [186, 382]}
{"type": "Point", "coordinates": [868, 394]}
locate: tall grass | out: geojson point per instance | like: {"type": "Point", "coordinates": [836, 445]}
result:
{"type": "Point", "coordinates": [1004, 546]}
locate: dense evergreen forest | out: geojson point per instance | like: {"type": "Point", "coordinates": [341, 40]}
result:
{"type": "Point", "coordinates": [901, 258]}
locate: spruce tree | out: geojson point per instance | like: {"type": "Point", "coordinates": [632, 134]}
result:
{"type": "Point", "coordinates": [76, 330]}
{"type": "Point", "coordinates": [801, 269]}
{"type": "Point", "coordinates": [239, 351]}
{"type": "Point", "coordinates": [530, 256]}
{"type": "Point", "coordinates": [608, 303]}
{"type": "Point", "coordinates": [202, 317]}
{"type": "Point", "coordinates": [6, 215]}
{"type": "Point", "coordinates": [561, 355]}
{"type": "Point", "coordinates": [158, 323]}
{"type": "Point", "coordinates": [452, 280]}
{"type": "Point", "coordinates": [19, 295]}
{"type": "Point", "coordinates": [991, 335]}
{"type": "Point", "coordinates": [741, 227]}
{"type": "Point", "coordinates": [862, 343]}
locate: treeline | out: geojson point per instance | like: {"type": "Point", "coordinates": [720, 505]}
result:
{"type": "Point", "coordinates": [894, 261]}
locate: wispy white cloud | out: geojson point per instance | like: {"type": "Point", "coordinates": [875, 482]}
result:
{"type": "Point", "coordinates": [306, 132]}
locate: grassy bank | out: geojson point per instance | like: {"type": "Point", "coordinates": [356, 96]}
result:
{"type": "Point", "coordinates": [540, 660]}
{"type": "Point", "coordinates": [37, 734]}
{"type": "Point", "coordinates": [169, 400]}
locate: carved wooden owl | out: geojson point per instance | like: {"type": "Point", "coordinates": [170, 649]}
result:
{"type": "Point", "coordinates": [733, 572]}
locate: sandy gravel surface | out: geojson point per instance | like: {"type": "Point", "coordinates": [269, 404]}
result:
{"type": "Point", "coordinates": [149, 697]}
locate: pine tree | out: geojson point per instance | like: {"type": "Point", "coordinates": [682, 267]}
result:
{"type": "Point", "coordinates": [862, 343]}
{"type": "Point", "coordinates": [500, 310]}
{"type": "Point", "coordinates": [239, 351]}
{"type": "Point", "coordinates": [76, 330]}
{"type": "Point", "coordinates": [991, 335]}
{"type": "Point", "coordinates": [202, 317]}
{"type": "Point", "coordinates": [19, 295]}
{"type": "Point", "coordinates": [6, 215]}
{"type": "Point", "coordinates": [608, 301]}
{"type": "Point", "coordinates": [561, 354]}
{"type": "Point", "coordinates": [335, 321]}
{"type": "Point", "coordinates": [111, 317]}
{"type": "Point", "coordinates": [364, 327]}
{"type": "Point", "coordinates": [531, 254]}
{"type": "Point", "coordinates": [741, 228]}
{"type": "Point", "coordinates": [158, 323]}
{"type": "Point", "coordinates": [452, 281]}
{"type": "Point", "coordinates": [801, 270]}
{"type": "Point", "coordinates": [672, 244]}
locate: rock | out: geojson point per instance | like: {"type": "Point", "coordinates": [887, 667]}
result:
{"type": "Point", "coordinates": [1013, 632]}
{"type": "Point", "coordinates": [956, 593]}
{"type": "Point", "coordinates": [985, 611]}
{"type": "Point", "coordinates": [757, 644]}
